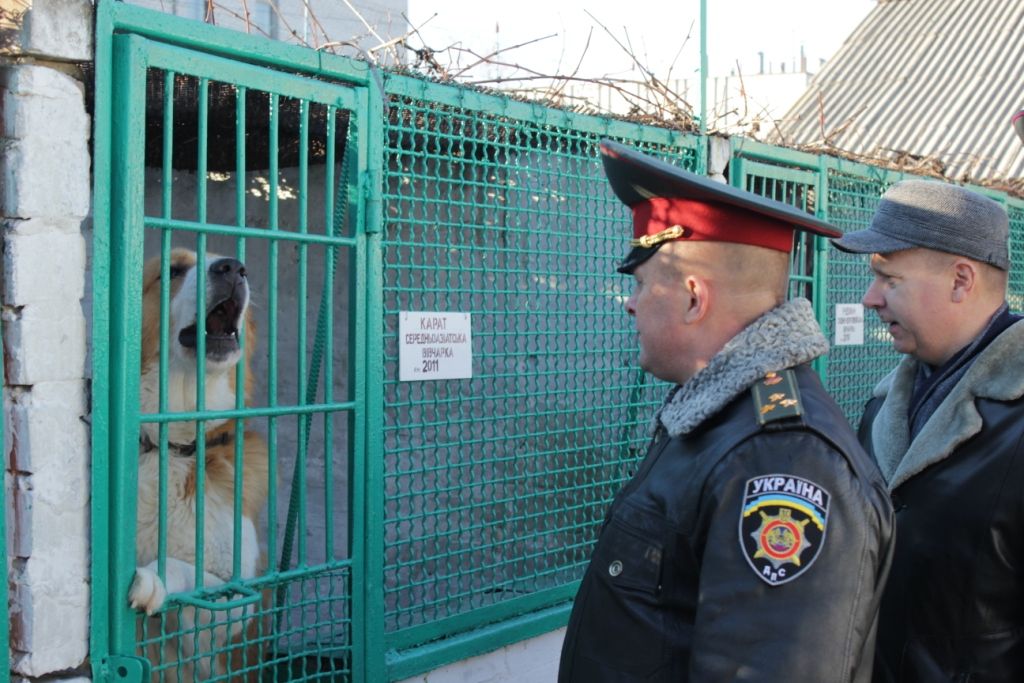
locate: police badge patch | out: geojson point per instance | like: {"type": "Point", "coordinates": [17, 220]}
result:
{"type": "Point", "coordinates": [782, 526]}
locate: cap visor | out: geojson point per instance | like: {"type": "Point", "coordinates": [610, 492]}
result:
{"type": "Point", "coordinates": [870, 242]}
{"type": "Point", "coordinates": [635, 257]}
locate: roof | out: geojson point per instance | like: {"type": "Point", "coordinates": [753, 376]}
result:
{"type": "Point", "coordinates": [934, 79]}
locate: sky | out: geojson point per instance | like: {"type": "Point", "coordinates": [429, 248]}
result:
{"type": "Point", "coordinates": [657, 31]}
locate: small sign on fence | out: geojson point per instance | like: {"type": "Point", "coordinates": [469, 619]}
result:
{"type": "Point", "coordinates": [434, 345]}
{"type": "Point", "coordinates": [849, 324]}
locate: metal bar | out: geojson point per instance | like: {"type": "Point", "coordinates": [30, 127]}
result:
{"type": "Point", "coordinates": [272, 270]}
{"type": "Point", "coordinates": [127, 208]}
{"type": "Point", "coordinates": [300, 365]}
{"type": "Point", "coordinates": [821, 263]}
{"type": "Point", "coordinates": [702, 157]}
{"type": "Point", "coordinates": [234, 231]}
{"type": "Point", "coordinates": [206, 65]}
{"type": "Point", "coordinates": [269, 411]}
{"type": "Point", "coordinates": [201, 274]}
{"type": "Point", "coordinates": [275, 577]}
{"type": "Point", "coordinates": [330, 256]}
{"type": "Point", "coordinates": [366, 382]}
{"type": "Point", "coordinates": [537, 114]}
{"type": "Point", "coordinates": [401, 665]}
{"type": "Point", "coordinates": [166, 191]}
{"type": "Point", "coordinates": [232, 44]}
{"type": "Point", "coordinates": [240, 369]}
{"type": "Point", "coordinates": [101, 597]}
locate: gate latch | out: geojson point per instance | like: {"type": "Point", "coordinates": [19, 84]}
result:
{"type": "Point", "coordinates": [126, 669]}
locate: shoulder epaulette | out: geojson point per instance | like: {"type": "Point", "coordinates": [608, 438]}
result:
{"type": "Point", "coordinates": [776, 397]}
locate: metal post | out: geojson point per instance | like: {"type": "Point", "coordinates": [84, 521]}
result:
{"type": "Point", "coordinates": [702, 156]}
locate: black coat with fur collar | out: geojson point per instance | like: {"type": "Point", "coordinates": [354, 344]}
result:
{"type": "Point", "coordinates": [954, 606]}
{"type": "Point", "coordinates": [679, 588]}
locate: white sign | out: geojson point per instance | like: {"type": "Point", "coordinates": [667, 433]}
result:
{"type": "Point", "coordinates": [434, 345]}
{"type": "Point", "coordinates": [849, 324]}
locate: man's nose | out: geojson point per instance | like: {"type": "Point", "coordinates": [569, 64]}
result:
{"type": "Point", "coordinates": [872, 298]}
{"type": "Point", "coordinates": [630, 306]}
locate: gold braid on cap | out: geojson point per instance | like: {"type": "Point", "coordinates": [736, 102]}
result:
{"type": "Point", "coordinates": [665, 235]}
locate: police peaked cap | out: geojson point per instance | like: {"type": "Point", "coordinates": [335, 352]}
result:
{"type": "Point", "coordinates": [669, 203]}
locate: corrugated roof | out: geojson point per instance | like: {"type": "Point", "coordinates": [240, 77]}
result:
{"type": "Point", "coordinates": [926, 78]}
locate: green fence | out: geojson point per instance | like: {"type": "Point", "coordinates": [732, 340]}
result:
{"type": "Point", "coordinates": [494, 485]}
{"type": "Point", "coordinates": [352, 524]}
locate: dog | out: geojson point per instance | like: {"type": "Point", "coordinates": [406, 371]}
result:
{"type": "Point", "coordinates": [202, 629]}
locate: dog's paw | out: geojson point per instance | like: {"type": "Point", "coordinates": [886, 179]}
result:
{"type": "Point", "coordinates": [147, 592]}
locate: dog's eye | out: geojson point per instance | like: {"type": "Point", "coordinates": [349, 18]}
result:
{"type": "Point", "coordinates": [176, 271]}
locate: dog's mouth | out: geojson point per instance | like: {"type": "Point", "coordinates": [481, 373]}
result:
{"type": "Point", "coordinates": [221, 329]}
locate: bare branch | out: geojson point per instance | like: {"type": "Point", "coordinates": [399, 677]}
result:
{"type": "Point", "coordinates": [489, 59]}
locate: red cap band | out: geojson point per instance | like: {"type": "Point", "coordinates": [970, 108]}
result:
{"type": "Point", "coordinates": [711, 221]}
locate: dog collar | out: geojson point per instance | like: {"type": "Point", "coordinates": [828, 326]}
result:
{"type": "Point", "coordinates": [187, 450]}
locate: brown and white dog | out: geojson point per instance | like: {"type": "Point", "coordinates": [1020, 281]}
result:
{"type": "Point", "coordinates": [227, 312]}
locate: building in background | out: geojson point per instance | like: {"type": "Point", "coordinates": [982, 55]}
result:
{"type": "Point", "coordinates": [926, 84]}
{"type": "Point", "coordinates": [739, 103]}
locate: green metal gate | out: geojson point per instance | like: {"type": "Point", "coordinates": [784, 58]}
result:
{"type": "Point", "coordinates": [195, 145]}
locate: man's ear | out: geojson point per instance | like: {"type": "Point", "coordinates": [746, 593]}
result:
{"type": "Point", "coordinates": [965, 278]}
{"type": "Point", "coordinates": [698, 299]}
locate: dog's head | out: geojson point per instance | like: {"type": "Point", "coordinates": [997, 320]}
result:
{"type": "Point", "coordinates": [226, 306]}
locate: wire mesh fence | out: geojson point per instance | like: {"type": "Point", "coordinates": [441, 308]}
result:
{"type": "Point", "coordinates": [494, 484]}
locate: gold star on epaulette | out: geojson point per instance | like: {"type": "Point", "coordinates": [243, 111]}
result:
{"type": "Point", "coordinates": [776, 397]}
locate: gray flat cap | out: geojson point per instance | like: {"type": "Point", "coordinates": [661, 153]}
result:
{"type": "Point", "coordinates": [935, 215]}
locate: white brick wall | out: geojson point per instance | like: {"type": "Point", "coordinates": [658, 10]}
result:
{"type": "Point", "coordinates": [57, 29]}
{"type": "Point", "coordinates": [44, 201]}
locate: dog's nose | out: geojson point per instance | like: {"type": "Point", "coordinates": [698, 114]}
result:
{"type": "Point", "coordinates": [227, 270]}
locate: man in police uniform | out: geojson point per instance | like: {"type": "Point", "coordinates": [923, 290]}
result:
{"type": "Point", "coordinates": [753, 542]}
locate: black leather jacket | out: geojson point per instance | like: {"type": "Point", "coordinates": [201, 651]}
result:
{"type": "Point", "coordinates": [672, 592]}
{"type": "Point", "coordinates": [954, 606]}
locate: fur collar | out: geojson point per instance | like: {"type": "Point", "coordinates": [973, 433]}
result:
{"type": "Point", "coordinates": [782, 338]}
{"type": "Point", "coordinates": [955, 421]}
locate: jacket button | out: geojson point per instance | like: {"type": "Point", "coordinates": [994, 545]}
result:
{"type": "Point", "coordinates": [615, 568]}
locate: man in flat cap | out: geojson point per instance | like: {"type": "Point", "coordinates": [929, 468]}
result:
{"type": "Point", "coordinates": [947, 429]}
{"type": "Point", "coordinates": [753, 541]}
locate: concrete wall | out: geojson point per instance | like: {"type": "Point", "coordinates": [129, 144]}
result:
{"type": "Point", "coordinates": [44, 206]}
{"type": "Point", "coordinates": [531, 661]}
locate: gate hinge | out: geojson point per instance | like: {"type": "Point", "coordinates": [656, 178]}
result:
{"type": "Point", "coordinates": [372, 190]}
{"type": "Point", "coordinates": [126, 669]}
